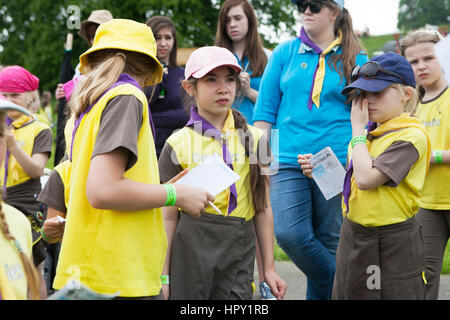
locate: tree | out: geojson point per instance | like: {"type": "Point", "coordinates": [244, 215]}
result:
{"type": "Point", "coordinates": [32, 33]}
{"type": "Point", "coordinates": [414, 14]}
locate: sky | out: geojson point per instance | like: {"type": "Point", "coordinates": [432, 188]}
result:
{"type": "Point", "coordinates": [379, 16]}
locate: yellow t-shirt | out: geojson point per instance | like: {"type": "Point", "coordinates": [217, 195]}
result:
{"type": "Point", "coordinates": [25, 136]}
{"type": "Point", "coordinates": [435, 115]}
{"type": "Point", "coordinates": [191, 148]}
{"type": "Point", "coordinates": [13, 282]}
{"type": "Point", "coordinates": [385, 205]}
{"type": "Point", "coordinates": [107, 250]}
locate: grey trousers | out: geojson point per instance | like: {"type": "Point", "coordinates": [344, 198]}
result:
{"type": "Point", "coordinates": [212, 258]}
{"type": "Point", "coordinates": [436, 232]}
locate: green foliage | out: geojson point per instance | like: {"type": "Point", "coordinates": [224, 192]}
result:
{"type": "Point", "coordinates": [32, 32]}
{"type": "Point", "coordinates": [414, 14]}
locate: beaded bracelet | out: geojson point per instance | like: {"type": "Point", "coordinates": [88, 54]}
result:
{"type": "Point", "coordinates": [357, 140]}
{"type": "Point", "coordinates": [171, 195]}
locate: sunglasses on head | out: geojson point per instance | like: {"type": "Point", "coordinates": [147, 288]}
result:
{"type": "Point", "coordinates": [314, 7]}
{"type": "Point", "coordinates": [369, 70]}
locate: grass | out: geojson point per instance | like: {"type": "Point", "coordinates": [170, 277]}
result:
{"type": "Point", "coordinates": [375, 43]}
{"type": "Point", "coordinates": [446, 262]}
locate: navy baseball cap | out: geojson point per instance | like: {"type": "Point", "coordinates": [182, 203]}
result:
{"type": "Point", "coordinates": [394, 69]}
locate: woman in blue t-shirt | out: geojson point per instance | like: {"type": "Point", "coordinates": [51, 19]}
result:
{"type": "Point", "coordinates": [237, 30]}
{"type": "Point", "coordinates": [300, 99]}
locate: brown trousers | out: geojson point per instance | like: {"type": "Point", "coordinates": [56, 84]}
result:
{"type": "Point", "coordinates": [212, 258]}
{"type": "Point", "coordinates": [436, 232]}
{"type": "Point", "coordinates": [380, 263]}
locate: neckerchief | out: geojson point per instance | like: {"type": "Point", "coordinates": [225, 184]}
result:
{"type": "Point", "coordinates": [16, 124]}
{"type": "Point", "coordinates": [197, 121]}
{"type": "Point", "coordinates": [319, 73]}
{"type": "Point", "coordinates": [401, 122]}
{"type": "Point", "coordinates": [123, 79]}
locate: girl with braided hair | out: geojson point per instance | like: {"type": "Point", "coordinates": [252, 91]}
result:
{"type": "Point", "coordinates": [212, 257]}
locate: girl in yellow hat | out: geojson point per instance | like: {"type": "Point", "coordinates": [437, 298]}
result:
{"type": "Point", "coordinates": [114, 239]}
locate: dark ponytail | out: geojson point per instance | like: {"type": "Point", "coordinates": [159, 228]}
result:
{"type": "Point", "coordinates": [259, 182]}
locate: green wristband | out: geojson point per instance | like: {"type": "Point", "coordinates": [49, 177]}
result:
{"type": "Point", "coordinates": [165, 279]}
{"type": "Point", "coordinates": [357, 140]}
{"type": "Point", "coordinates": [45, 237]}
{"type": "Point", "coordinates": [171, 195]}
{"type": "Point", "coordinates": [437, 156]}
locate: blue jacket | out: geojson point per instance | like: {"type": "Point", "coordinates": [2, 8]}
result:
{"type": "Point", "coordinates": [283, 101]}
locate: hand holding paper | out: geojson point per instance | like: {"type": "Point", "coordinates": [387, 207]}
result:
{"type": "Point", "coordinates": [212, 175]}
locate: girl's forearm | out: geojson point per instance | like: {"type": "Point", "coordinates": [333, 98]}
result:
{"type": "Point", "coordinates": [366, 175]}
{"type": "Point", "coordinates": [32, 165]}
{"type": "Point", "coordinates": [171, 216]}
{"type": "Point", "coordinates": [125, 195]}
{"type": "Point", "coordinates": [264, 234]}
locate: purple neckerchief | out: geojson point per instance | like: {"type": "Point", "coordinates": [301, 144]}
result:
{"type": "Point", "coordinates": [8, 123]}
{"type": "Point", "coordinates": [212, 131]}
{"type": "Point", "coordinates": [348, 175]}
{"type": "Point", "coordinates": [306, 40]}
{"type": "Point", "coordinates": [123, 79]}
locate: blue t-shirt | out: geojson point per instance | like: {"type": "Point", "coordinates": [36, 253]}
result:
{"type": "Point", "coordinates": [283, 101]}
{"type": "Point", "coordinates": [243, 104]}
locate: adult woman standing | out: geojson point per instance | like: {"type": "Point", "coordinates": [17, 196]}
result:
{"type": "Point", "coordinates": [300, 98]}
{"type": "Point", "coordinates": [165, 100]}
{"type": "Point", "coordinates": [237, 30]}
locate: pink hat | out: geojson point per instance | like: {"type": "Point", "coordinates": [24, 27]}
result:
{"type": "Point", "coordinates": [205, 59]}
{"type": "Point", "coordinates": [16, 79]}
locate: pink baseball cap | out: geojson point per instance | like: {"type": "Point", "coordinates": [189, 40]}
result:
{"type": "Point", "coordinates": [205, 59]}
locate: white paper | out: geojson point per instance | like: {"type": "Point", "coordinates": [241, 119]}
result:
{"type": "Point", "coordinates": [61, 219]}
{"type": "Point", "coordinates": [442, 49]}
{"type": "Point", "coordinates": [212, 175]}
{"type": "Point", "coordinates": [328, 173]}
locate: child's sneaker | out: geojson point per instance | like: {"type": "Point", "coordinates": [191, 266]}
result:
{"type": "Point", "coordinates": [265, 292]}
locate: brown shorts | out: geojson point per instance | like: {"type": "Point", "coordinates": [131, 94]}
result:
{"type": "Point", "coordinates": [212, 258]}
{"type": "Point", "coordinates": [380, 263]}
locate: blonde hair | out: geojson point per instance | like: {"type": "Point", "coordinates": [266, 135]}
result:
{"type": "Point", "coordinates": [31, 273]}
{"type": "Point", "coordinates": [416, 37]}
{"type": "Point", "coordinates": [103, 69]}
{"type": "Point", "coordinates": [409, 106]}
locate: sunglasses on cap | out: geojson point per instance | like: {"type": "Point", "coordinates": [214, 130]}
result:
{"type": "Point", "coordinates": [370, 69]}
{"type": "Point", "coordinates": [314, 7]}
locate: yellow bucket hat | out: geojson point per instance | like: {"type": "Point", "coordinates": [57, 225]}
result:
{"type": "Point", "coordinates": [127, 35]}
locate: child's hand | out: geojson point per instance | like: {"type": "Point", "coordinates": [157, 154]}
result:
{"type": "Point", "coordinates": [277, 285]}
{"type": "Point", "coordinates": [245, 82]}
{"type": "Point", "coordinates": [192, 200]}
{"type": "Point", "coordinates": [305, 164]}
{"type": "Point", "coordinates": [359, 115]}
{"type": "Point", "coordinates": [53, 229]}
{"type": "Point", "coordinates": [10, 139]}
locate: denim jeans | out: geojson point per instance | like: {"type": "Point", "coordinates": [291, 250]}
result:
{"type": "Point", "coordinates": [306, 227]}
